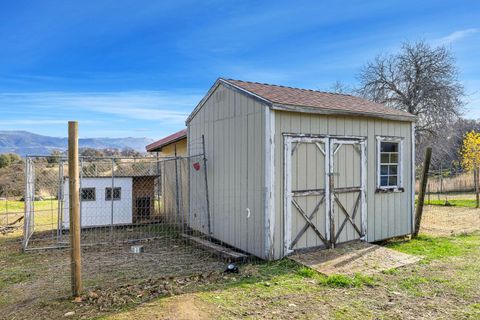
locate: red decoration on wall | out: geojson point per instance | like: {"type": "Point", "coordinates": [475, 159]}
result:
{"type": "Point", "coordinates": [196, 166]}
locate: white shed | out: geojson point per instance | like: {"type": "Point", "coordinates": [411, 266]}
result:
{"type": "Point", "coordinates": [293, 169]}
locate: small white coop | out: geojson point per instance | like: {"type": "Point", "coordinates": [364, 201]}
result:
{"type": "Point", "coordinates": [97, 207]}
{"type": "Point", "coordinates": [105, 201]}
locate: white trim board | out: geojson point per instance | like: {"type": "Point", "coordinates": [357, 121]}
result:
{"type": "Point", "coordinates": [269, 183]}
{"type": "Point", "coordinates": [400, 141]}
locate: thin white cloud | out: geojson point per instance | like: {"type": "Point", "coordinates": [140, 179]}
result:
{"type": "Point", "coordinates": [139, 105]}
{"type": "Point", "coordinates": [37, 122]}
{"type": "Point", "coordinates": [457, 36]}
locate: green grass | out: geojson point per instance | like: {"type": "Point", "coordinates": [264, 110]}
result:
{"type": "Point", "coordinates": [336, 280]}
{"type": "Point", "coordinates": [285, 278]}
{"type": "Point", "coordinates": [46, 214]}
{"type": "Point", "coordinates": [432, 248]}
{"type": "Point", "coordinates": [468, 203]}
{"type": "Point", "coordinates": [306, 272]}
{"type": "Point", "coordinates": [18, 206]}
{"type": "Point", "coordinates": [12, 276]}
{"type": "Point", "coordinates": [392, 271]}
{"type": "Point", "coordinates": [343, 281]}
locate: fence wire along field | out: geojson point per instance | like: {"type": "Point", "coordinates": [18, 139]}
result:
{"type": "Point", "coordinates": [450, 201]}
{"type": "Point", "coordinates": [121, 200]}
{"type": "Point", "coordinates": [141, 218]}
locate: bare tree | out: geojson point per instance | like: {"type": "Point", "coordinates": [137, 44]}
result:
{"type": "Point", "coordinates": [419, 79]}
{"type": "Point", "coordinates": [341, 87]}
{"type": "Point", "coordinates": [447, 143]}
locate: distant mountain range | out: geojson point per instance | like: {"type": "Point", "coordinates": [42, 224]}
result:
{"type": "Point", "coordinates": [26, 143]}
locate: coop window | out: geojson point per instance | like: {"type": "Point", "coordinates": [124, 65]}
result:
{"type": "Point", "coordinates": [117, 193]}
{"type": "Point", "coordinates": [87, 194]}
{"type": "Point", "coordinates": [389, 163]}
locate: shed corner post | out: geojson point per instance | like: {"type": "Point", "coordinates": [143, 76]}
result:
{"type": "Point", "coordinates": [413, 175]}
{"type": "Point", "coordinates": [269, 176]}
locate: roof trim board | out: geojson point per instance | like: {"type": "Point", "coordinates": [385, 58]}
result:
{"type": "Point", "coordinates": [325, 111]}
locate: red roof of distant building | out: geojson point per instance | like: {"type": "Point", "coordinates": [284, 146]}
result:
{"type": "Point", "coordinates": [158, 145]}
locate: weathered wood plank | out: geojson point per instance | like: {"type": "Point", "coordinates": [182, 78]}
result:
{"type": "Point", "coordinates": [224, 252]}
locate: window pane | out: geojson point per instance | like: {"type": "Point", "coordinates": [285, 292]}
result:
{"type": "Point", "coordinates": [392, 181]}
{"type": "Point", "coordinates": [384, 158]}
{"type": "Point", "coordinates": [108, 193]}
{"type": "Point", "coordinates": [392, 170]}
{"type": "Point", "coordinates": [384, 181]}
{"type": "Point", "coordinates": [383, 169]}
{"type": "Point", "coordinates": [394, 158]}
{"type": "Point", "coordinates": [116, 193]}
{"type": "Point", "coordinates": [87, 194]}
{"type": "Point", "coordinates": [389, 147]}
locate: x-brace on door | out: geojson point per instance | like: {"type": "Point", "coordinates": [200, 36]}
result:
{"type": "Point", "coordinates": [324, 191]}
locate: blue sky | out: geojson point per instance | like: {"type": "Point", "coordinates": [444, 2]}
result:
{"type": "Point", "coordinates": [137, 68]}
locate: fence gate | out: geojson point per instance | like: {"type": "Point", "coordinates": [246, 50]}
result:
{"type": "Point", "coordinates": [324, 191]}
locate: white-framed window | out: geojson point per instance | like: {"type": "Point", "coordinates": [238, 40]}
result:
{"type": "Point", "coordinates": [389, 163]}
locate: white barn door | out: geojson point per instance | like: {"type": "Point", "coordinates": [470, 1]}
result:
{"type": "Point", "coordinates": [324, 191]}
{"type": "Point", "coordinates": [347, 190]}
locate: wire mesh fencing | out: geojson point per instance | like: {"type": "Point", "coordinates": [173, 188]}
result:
{"type": "Point", "coordinates": [121, 199]}
{"type": "Point", "coordinates": [450, 200]}
{"type": "Point", "coordinates": [141, 218]}
{"type": "Point", "coordinates": [11, 196]}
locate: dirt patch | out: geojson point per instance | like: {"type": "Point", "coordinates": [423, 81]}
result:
{"type": "Point", "coordinates": [444, 220]}
{"type": "Point", "coordinates": [184, 307]}
{"type": "Point", "coordinates": [352, 258]}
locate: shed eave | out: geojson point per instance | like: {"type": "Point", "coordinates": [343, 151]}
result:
{"type": "Point", "coordinates": [328, 111]}
{"type": "Point", "coordinates": [159, 148]}
{"type": "Point", "coordinates": [228, 85]}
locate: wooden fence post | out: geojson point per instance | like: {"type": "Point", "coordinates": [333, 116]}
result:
{"type": "Point", "coordinates": [74, 195]}
{"type": "Point", "coordinates": [475, 178]}
{"type": "Point", "coordinates": [421, 195]}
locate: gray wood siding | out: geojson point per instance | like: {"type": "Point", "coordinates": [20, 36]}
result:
{"type": "Point", "coordinates": [388, 214]}
{"type": "Point", "coordinates": [234, 129]}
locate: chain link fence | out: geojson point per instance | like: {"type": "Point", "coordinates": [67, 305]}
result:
{"type": "Point", "coordinates": [121, 200]}
{"type": "Point", "coordinates": [11, 194]}
{"type": "Point", "coordinates": [141, 218]}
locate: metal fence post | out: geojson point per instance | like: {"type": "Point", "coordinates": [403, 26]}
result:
{"type": "Point", "coordinates": [111, 199]}
{"type": "Point", "coordinates": [206, 186]}
{"type": "Point", "coordinates": [177, 199]}
{"type": "Point", "coordinates": [60, 201]}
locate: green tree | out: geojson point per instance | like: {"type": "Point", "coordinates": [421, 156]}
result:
{"type": "Point", "coordinates": [7, 159]}
{"type": "Point", "coordinates": [4, 160]}
{"type": "Point", "coordinates": [471, 157]}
